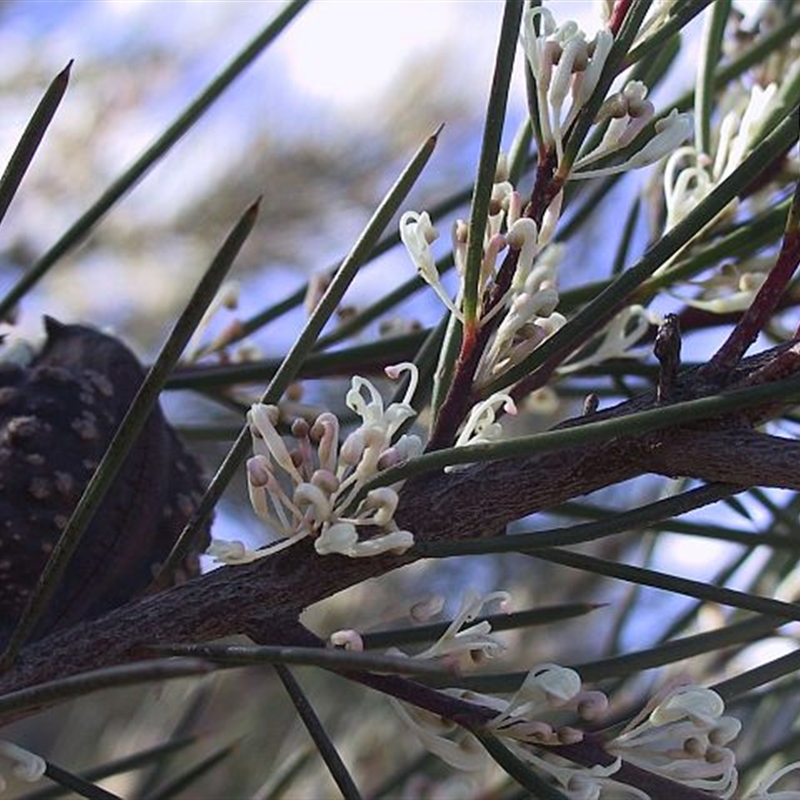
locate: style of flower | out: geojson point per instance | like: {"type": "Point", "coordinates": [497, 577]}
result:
{"type": "Point", "coordinates": [731, 288]}
{"type": "Point", "coordinates": [314, 489]}
{"type": "Point", "coordinates": [763, 790]}
{"type": "Point", "coordinates": [26, 766]}
{"type": "Point", "coordinates": [690, 176]}
{"type": "Point", "coordinates": [683, 736]}
{"type": "Point", "coordinates": [465, 641]}
{"type": "Point", "coordinates": [563, 63]}
{"type": "Point", "coordinates": [616, 339]}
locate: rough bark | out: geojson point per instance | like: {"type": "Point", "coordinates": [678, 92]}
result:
{"type": "Point", "coordinates": [265, 598]}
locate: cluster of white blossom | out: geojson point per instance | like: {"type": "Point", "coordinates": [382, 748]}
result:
{"type": "Point", "coordinates": [462, 643]}
{"type": "Point", "coordinates": [691, 175]}
{"type": "Point", "coordinates": [528, 309]}
{"type": "Point", "coordinates": [682, 736]}
{"type": "Point", "coordinates": [730, 287]}
{"type": "Point", "coordinates": [313, 490]}
{"type": "Point", "coordinates": [564, 62]}
{"type": "Point", "coordinates": [505, 228]}
{"type": "Point", "coordinates": [566, 68]}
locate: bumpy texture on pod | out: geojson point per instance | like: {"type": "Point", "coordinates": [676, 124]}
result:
{"type": "Point", "coordinates": [57, 416]}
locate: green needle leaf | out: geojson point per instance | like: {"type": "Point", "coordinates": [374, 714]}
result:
{"type": "Point", "coordinates": [30, 140]}
{"type": "Point", "coordinates": [490, 148]}
{"type": "Point", "coordinates": [326, 748]}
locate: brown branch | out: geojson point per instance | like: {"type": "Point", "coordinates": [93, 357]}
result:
{"type": "Point", "coordinates": [264, 599]}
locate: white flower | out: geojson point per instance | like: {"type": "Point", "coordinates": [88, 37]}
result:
{"type": "Point", "coordinates": [686, 187]}
{"type": "Point", "coordinates": [481, 426]}
{"type": "Point", "coordinates": [417, 234]}
{"type": "Point", "coordinates": [684, 738]}
{"type": "Point", "coordinates": [314, 489]}
{"type": "Point", "coordinates": [670, 133]}
{"type": "Point", "coordinates": [617, 338]}
{"type": "Point", "coordinates": [474, 641]}
{"type": "Point", "coordinates": [732, 288]}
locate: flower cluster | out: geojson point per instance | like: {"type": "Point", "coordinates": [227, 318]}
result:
{"type": "Point", "coordinates": [683, 736]}
{"type": "Point", "coordinates": [532, 718]}
{"type": "Point", "coordinates": [564, 63]}
{"type": "Point", "coordinates": [690, 175]}
{"type": "Point", "coordinates": [463, 641]}
{"type": "Point", "coordinates": [528, 307]}
{"type": "Point", "coordinates": [505, 228]}
{"type": "Point", "coordinates": [314, 489]}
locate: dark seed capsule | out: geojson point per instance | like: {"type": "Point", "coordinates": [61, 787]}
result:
{"type": "Point", "coordinates": [57, 416]}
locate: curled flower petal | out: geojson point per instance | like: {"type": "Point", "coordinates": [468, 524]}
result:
{"type": "Point", "coordinates": [417, 233]}
{"type": "Point", "coordinates": [384, 500]}
{"type": "Point", "coordinates": [28, 766]}
{"type": "Point", "coordinates": [307, 495]}
{"type": "Point", "coordinates": [338, 538]}
{"type": "Point", "coordinates": [348, 639]}
{"type": "Point", "coordinates": [232, 552]}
